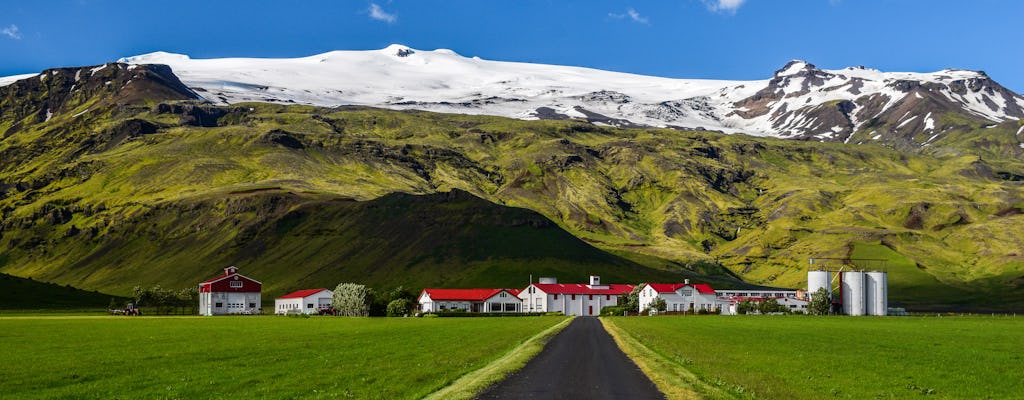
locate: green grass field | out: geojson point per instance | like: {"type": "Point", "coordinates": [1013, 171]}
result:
{"type": "Point", "coordinates": [798, 357]}
{"type": "Point", "coordinates": [248, 357]}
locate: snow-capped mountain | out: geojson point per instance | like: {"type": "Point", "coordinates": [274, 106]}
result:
{"type": "Point", "coordinates": [799, 101]}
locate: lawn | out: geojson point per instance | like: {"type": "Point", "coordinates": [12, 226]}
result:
{"type": "Point", "coordinates": [802, 357]}
{"type": "Point", "coordinates": [248, 357]}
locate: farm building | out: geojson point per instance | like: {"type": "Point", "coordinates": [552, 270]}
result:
{"type": "Point", "coordinates": [231, 293]}
{"type": "Point", "coordinates": [572, 299]}
{"type": "Point", "coordinates": [679, 296]}
{"type": "Point", "coordinates": [308, 301]}
{"type": "Point", "coordinates": [728, 304]}
{"type": "Point", "coordinates": [470, 300]}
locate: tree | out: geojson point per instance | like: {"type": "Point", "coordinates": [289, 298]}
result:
{"type": "Point", "coordinates": [745, 307]}
{"type": "Point", "coordinates": [821, 302]}
{"type": "Point", "coordinates": [769, 305]}
{"type": "Point", "coordinates": [352, 300]}
{"type": "Point", "coordinates": [659, 304]}
{"type": "Point", "coordinates": [398, 307]}
{"type": "Point", "coordinates": [632, 300]}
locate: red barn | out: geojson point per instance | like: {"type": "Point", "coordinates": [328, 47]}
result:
{"type": "Point", "coordinates": [231, 293]}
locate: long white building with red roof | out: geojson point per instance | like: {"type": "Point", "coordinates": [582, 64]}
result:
{"type": "Point", "coordinates": [307, 301]}
{"type": "Point", "coordinates": [230, 293]}
{"type": "Point", "coordinates": [572, 299]}
{"type": "Point", "coordinates": [471, 300]}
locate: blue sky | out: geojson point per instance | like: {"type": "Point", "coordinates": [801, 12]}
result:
{"type": "Point", "coordinates": [718, 39]}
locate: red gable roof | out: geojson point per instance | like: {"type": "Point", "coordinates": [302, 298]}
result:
{"type": "Point", "coordinates": [665, 287]}
{"type": "Point", "coordinates": [301, 293]}
{"type": "Point", "coordinates": [702, 288]}
{"type": "Point", "coordinates": [222, 283]}
{"type": "Point", "coordinates": [462, 294]}
{"type": "Point", "coordinates": [579, 288]}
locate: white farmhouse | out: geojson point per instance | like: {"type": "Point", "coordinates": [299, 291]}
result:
{"type": "Point", "coordinates": [308, 301]}
{"type": "Point", "coordinates": [471, 300]}
{"type": "Point", "coordinates": [572, 299]}
{"type": "Point", "coordinates": [679, 296]}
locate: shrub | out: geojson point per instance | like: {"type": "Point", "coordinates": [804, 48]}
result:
{"type": "Point", "coordinates": [398, 307]}
{"type": "Point", "coordinates": [609, 311]}
{"type": "Point", "coordinates": [821, 302]}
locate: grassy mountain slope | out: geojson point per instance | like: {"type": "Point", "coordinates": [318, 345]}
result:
{"type": "Point", "coordinates": [27, 294]}
{"type": "Point", "coordinates": [292, 241]}
{"type": "Point", "coordinates": [206, 184]}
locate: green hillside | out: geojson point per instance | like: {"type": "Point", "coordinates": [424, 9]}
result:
{"type": "Point", "coordinates": [28, 294]}
{"type": "Point", "coordinates": [166, 192]}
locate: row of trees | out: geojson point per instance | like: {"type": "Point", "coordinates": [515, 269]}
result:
{"type": "Point", "coordinates": [353, 299]}
{"type": "Point", "coordinates": [166, 301]}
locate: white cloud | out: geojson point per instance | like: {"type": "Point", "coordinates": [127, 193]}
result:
{"type": "Point", "coordinates": [379, 14]}
{"type": "Point", "coordinates": [728, 6]}
{"type": "Point", "coordinates": [11, 32]}
{"type": "Point", "coordinates": [635, 16]}
{"type": "Point", "coordinates": [632, 14]}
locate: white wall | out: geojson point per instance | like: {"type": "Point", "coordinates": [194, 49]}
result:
{"type": "Point", "coordinates": [230, 303]}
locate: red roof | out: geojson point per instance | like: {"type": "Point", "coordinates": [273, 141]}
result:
{"type": "Point", "coordinates": [702, 288]}
{"type": "Point", "coordinates": [665, 287]}
{"type": "Point", "coordinates": [302, 293]}
{"type": "Point", "coordinates": [463, 294]}
{"type": "Point", "coordinates": [579, 288]}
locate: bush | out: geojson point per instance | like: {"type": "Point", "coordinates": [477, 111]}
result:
{"type": "Point", "coordinates": [610, 311]}
{"type": "Point", "coordinates": [398, 307]}
{"type": "Point", "coordinates": [821, 302]}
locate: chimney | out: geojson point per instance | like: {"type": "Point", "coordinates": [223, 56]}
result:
{"type": "Point", "coordinates": [230, 270]}
{"type": "Point", "coordinates": [686, 281]}
{"type": "Point", "coordinates": [595, 280]}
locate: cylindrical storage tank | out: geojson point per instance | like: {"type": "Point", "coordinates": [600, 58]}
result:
{"type": "Point", "coordinates": [853, 293]}
{"type": "Point", "coordinates": [817, 280]}
{"type": "Point", "coordinates": [876, 293]}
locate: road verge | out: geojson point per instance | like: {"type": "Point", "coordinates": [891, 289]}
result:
{"type": "Point", "coordinates": [674, 380]}
{"type": "Point", "coordinates": [470, 385]}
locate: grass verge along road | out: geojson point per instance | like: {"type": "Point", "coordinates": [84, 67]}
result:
{"type": "Point", "coordinates": [249, 357]}
{"type": "Point", "coordinates": [801, 357]}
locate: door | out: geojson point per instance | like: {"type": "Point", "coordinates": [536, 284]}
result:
{"type": "Point", "coordinates": [590, 310]}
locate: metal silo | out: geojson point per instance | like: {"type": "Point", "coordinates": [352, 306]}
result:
{"type": "Point", "coordinates": [817, 280]}
{"type": "Point", "coordinates": [876, 293]}
{"type": "Point", "coordinates": [852, 287]}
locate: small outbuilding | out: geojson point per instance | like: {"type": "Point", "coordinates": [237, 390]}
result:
{"type": "Point", "coordinates": [308, 301]}
{"type": "Point", "coordinates": [231, 293]}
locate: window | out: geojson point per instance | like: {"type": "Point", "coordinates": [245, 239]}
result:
{"type": "Point", "coordinates": [219, 305]}
{"type": "Point", "coordinates": [309, 305]}
{"type": "Point", "coordinates": [556, 297]}
{"type": "Point", "coordinates": [495, 307]}
{"type": "Point", "coordinates": [607, 297]}
{"type": "Point", "coordinates": [236, 284]}
{"type": "Point", "coordinates": [574, 297]}
{"type": "Point", "coordinates": [252, 305]}
{"type": "Point", "coordinates": [510, 307]}
{"type": "Point", "coordinates": [687, 292]}
{"type": "Point", "coordinates": [591, 297]}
